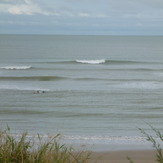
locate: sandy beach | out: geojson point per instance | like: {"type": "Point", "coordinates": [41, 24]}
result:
{"type": "Point", "coordinates": [138, 156]}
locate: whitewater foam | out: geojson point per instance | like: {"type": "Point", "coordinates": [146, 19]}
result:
{"type": "Point", "coordinates": [105, 139]}
{"type": "Point", "coordinates": [21, 88]}
{"type": "Point", "coordinates": [16, 67]}
{"type": "Point", "coordinates": [91, 61]}
{"type": "Point", "coordinates": [141, 85]}
{"type": "Point", "coordinates": [96, 139]}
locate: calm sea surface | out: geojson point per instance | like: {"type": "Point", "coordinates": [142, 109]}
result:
{"type": "Point", "coordinates": [91, 89]}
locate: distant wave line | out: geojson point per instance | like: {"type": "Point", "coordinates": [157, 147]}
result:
{"type": "Point", "coordinates": [53, 78]}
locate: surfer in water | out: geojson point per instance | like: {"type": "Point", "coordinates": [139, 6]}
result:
{"type": "Point", "coordinates": [39, 91]}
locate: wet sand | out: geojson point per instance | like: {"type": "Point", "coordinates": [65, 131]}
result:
{"type": "Point", "coordinates": [138, 156]}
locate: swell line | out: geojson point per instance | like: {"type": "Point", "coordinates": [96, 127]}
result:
{"type": "Point", "coordinates": [38, 78]}
{"type": "Point", "coordinates": [99, 61]}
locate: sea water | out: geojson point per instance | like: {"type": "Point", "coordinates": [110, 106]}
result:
{"type": "Point", "coordinates": [91, 89]}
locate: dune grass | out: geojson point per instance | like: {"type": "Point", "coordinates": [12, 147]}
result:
{"type": "Point", "coordinates": [26, 150]}
{"type": "Point", "coordinates": [155, 142]}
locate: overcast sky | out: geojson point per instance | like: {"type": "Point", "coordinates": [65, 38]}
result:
{"type": "Point", "coordinates": [102, 17]}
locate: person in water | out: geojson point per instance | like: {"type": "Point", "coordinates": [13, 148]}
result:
{"type": "Point", "coordinates": [39, 91]}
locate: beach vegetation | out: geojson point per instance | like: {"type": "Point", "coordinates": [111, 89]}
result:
{"type": "Point", "coordinates": [24, 149]}
{"type": "Point", "coordinates": [156, 141]}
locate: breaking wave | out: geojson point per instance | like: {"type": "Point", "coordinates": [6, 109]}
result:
{"type": "Point", "coordinates": [99, 61]}
{"type": "Point", "coordinates": [91, 61]}
{"type": "Point", "coordinates": [16, 67]}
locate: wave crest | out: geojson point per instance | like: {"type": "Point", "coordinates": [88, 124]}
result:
{"type": "Point", "coordinates": [16, 67]}
{"type": "Point", "coordinates": [99, 61]}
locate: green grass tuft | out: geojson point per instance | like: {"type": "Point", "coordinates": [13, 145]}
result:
{"type": "Point", "coordinates": [25, 150]}
{"type": "Point", "coordinates": [156, 144]}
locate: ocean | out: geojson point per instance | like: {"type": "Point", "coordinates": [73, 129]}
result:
{"type": "Point", "coordinates": [93, 90]}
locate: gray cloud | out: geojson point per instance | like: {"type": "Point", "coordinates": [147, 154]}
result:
{"type": "Point", "coordinates": [100, 16]}
{"type": "Point", "coordinates": [12, 2]}
{"type": "Point", "coordinates": [91, 8]}
{"type": "Point", "coordinates": [24, 7]}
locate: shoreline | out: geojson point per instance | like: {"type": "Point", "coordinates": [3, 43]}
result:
{"type": "Point", "coordinates": [112, 147]}
{"type": "Point", "coordinates": [120, 156]}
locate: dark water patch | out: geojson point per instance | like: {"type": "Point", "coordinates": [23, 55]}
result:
{"type": "Point", "coordinates": [89, 79]}
{"type": "Point", "coordinates": [136, 69]}
{"type": "Point", "coordinates": [72, 114]}
{"type": "Point", "coordinates": [22, 112]}
{"type": "Point", "coordinates": [156, 108]}
{"type": "Point", "coordinates": [144, 70]}
{"type": "Point", "coordinates": [123, 62]}
{"type": "Point", "coordinates": [37, 78]}
{"type": "Point", "coordinates": [142, 116]}
{"type": "Point", "coordinates": [134, 80]}
{"type": "Point", "coordinates": [86, 115]}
